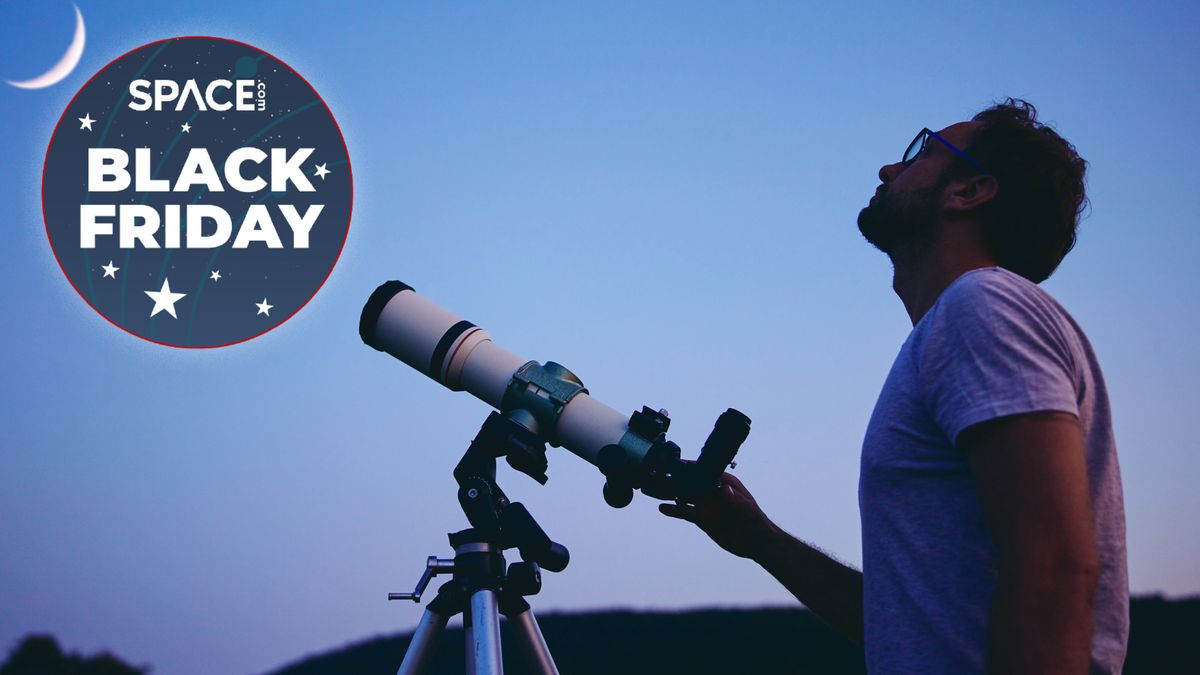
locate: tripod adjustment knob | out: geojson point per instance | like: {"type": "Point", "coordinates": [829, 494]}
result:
{"type": "Point", "coordinates": [524, 578]}
{"type": "Point", "coordinates": [531, 540]}
{"type": "Point", "coordinates": [433, 566]}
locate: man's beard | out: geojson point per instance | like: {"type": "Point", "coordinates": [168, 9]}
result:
{"type": "Point", "coordinates": [889, 225]}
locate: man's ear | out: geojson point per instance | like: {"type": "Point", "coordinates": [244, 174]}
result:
{"type": "Point", "coordinates": [968, 194]}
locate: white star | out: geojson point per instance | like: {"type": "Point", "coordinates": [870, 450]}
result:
{"type": "Point", "coordinates": [263, 307]}
{"type": "Point", "coordinates": [215, 276]}
{"type": "Point", "coordinates": [186, 127]}
{"type": "Point", "coordinates": [85, 122]}
{"type": "Point", "coordinates": [321, 171]}
{"type": "Point", "coordinates": [109, 270]}
{"type": "Point", "coordinates": [164, 299]}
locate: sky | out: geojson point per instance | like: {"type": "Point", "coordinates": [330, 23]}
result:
{"type": "Point", "coordinates": [662, 197]}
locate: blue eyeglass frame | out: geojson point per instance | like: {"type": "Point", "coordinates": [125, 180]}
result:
{"type": "Point", "coordinates": [923, 139]}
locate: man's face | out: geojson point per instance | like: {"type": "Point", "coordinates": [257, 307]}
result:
{"type": "Point", "coordinates": [906, 206]}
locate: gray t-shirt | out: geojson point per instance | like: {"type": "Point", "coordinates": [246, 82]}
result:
{"type": "Point", "coordinates": [994, 344]}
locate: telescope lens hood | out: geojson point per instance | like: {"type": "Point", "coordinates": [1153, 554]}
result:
{"type": "Point", "coordinates": [369, 320]}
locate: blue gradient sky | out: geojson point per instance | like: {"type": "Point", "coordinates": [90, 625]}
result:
{"type": "Point", "coordinates": [660, 196]}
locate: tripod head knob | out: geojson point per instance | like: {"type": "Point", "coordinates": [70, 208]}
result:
{"type": "Point", "coordinates": [524, 578]}
{"type": "Point", "coordinates": [531, 540]}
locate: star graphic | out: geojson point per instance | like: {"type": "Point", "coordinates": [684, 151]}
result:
{"type": "Point", "coordinates": [322, 171]}
{"type": "Point", "coordinates": [186, 127]}
{"type": "Point", "coordinates": [164, 299]}
{"type": "Point", "coordinates": [215, 276]}
{"type": "Point", "coordinates": [85, 122]}
{"type": "Point", "coordinates": [263, 307]}
{"type": "Point", "coordinates": [109, 270]}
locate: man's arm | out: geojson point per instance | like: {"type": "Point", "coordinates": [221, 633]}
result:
{"type": "Point", "coordinates": [832, 590]}
{"type": "Point", "coordinates": [1032, 481]}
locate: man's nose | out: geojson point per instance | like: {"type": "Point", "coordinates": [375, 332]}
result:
{"type": "Point", "coordinates": [888, 172]}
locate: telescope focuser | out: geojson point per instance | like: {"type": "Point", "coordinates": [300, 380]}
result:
{"type": "Point", "coordinates": [662, 473]}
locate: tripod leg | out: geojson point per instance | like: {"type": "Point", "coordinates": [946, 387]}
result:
{"type": "Point", "coordinates": [469, 634]}
{"type": "Point", "coordinates": [483, 649]}
{"type": "Point", "coordinates": [420, 649]}
{"type": "Point", "coordinates": [536, 651]}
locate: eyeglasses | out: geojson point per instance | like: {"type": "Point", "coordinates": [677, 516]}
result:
{"type": "Point", "coordinates": [918, 146]}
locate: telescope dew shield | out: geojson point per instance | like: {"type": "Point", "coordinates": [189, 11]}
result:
{"type": "Point", "coordinates": [453, 352]}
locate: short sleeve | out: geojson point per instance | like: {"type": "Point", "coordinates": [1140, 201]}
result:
{"type": "Point", "coordinates": [994, 346]}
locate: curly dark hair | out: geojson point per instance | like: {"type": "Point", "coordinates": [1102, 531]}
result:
{"type": "Point", "coordinates": [1031, 224]}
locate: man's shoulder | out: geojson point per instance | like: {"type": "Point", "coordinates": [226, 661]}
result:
{"type": "Point", "coordinates": [989, 282]}
{"type": "Point", "coordinates": [987, 291]}
{"type": "Point", "coordinates": [994, 314]}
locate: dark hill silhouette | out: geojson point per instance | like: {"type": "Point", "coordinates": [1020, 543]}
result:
{"type": "Point", "coordinates": [1162, 642]}
{"type": "Point", "coordinates": [762, 641]}
{"type": "Point", "coordinates": [630, 643]}
{"type": "Point", "coordinates": [41, 655]}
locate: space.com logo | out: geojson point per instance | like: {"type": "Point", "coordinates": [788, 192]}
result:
{"type": "Point", "coordinates": [197, 192]}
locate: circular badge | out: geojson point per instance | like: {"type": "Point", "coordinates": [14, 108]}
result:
{"type": "Point", "coordinates": [197, 192]}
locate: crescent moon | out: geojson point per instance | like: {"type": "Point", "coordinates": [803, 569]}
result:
{"type": "Point", "coordinates": [65, 65]}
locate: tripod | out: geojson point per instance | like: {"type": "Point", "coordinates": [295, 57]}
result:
{"type": "Point", "coordinates": [482, 587]}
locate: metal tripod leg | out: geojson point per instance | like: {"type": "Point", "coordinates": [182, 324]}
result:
{"type": "Point", "coordinates": [420, 648]}
{"type": "Point", "coordinates": [537, 654]}
{"type": "Point", "coordinates": [469, 634]}
{"type": "Point", "coordinates": [483, 645]}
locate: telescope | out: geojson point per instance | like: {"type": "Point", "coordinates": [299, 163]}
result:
{"type": "Point", "coordinates": [534, 404]}
{"type": "Point", "coordinates": [546, 403]}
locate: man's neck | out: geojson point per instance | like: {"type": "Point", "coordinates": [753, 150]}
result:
{"type": "Point", "coordinates": [920, 276]}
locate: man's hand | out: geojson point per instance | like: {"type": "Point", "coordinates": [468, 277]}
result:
{"type": "Point", "coordinates": [731, 518]}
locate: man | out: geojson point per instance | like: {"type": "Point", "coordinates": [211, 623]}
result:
{"type": "Point", "coordinates": [992, 516]}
